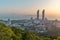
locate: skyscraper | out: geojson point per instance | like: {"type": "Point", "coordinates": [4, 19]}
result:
{"type": "Point", "coordinates": [37, 14]}
{"type": "Point", "coordinates": [43, 14]}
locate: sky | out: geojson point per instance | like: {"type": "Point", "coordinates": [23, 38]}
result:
{"type": "Point", "coordinates": [27, 8]}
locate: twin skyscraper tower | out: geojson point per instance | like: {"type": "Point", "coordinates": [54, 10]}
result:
{"type": "Point", "coordinates": [43, 14]}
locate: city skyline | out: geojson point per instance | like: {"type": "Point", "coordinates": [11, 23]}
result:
{"type": "Point", "coordinates": [29, 7]}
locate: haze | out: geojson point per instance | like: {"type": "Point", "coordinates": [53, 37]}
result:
{"type": "Point", "coordinates": [29, 7]}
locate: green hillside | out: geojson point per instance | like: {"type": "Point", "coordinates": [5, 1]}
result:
{"type": "Point", "coordinates": [12, 33]}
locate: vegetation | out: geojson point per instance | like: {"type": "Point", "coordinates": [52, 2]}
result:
{"type": "Point", "coordinates": [12, 33]}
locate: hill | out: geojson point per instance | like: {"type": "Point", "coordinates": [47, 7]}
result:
{"type": "Point", "coordinates": [12, 33]}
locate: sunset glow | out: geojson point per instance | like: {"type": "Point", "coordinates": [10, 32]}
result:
{"type": "Point", "coordinates": [29, 7]}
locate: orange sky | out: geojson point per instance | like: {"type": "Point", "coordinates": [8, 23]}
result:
{"type": "Point", "coordinates": [29, 7]}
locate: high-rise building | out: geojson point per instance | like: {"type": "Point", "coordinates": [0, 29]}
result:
{"type": "Point", "coordinates": [32, 19]}
{"type": "Point", "coordinates": [37, 14]}
{"type": "Point", "coordinates": [9, 21]}
{"type": "Point", "coordinates": [43, 14]}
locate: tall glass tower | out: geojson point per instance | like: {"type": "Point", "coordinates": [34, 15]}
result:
{"type": "Point", "coordinates": [43, 14]}
{"type": "Point", "coordinates": [37, 14]}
